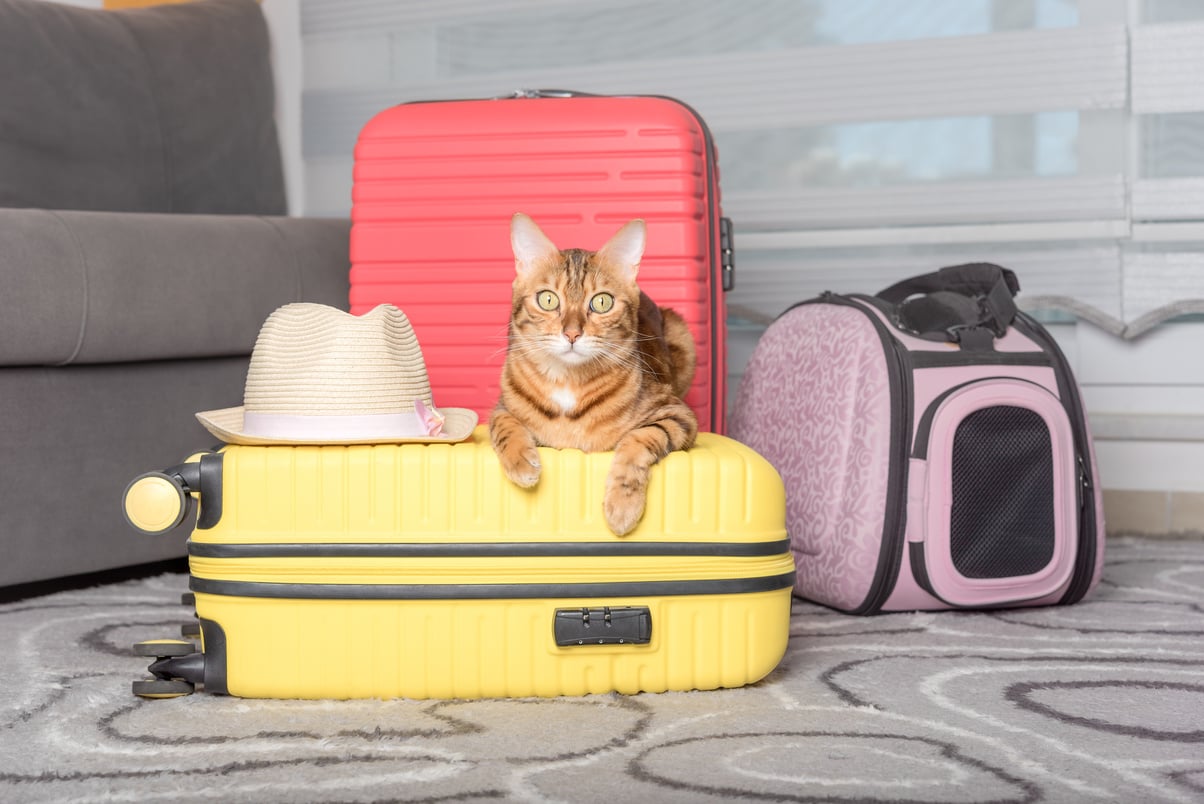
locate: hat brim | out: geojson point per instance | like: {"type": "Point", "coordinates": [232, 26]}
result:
{"type": "Point", "coordinates": [227, 424]}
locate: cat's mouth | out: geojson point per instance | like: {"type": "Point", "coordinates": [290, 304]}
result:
{"type": "Point", "coordinates": [575, 354]}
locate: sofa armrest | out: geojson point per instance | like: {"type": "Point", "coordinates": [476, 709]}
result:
{"type": "Point", "coordinates": [104, 287]}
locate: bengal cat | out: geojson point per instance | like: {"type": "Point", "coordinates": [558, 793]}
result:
{"type": "Point", "coordinates": [592, 363]}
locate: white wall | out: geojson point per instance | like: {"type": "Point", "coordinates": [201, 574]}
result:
{"type": "Point", "coordinates": [1145, 400]}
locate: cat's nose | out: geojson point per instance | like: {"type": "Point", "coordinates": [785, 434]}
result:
{"type": "Point", "coordinates": [572, 335]}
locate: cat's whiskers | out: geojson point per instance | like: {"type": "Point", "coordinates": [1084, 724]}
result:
{"type": "Point", "coordinates": [625, 358]}
{"type": "Point", "coordinates": [534, 345]}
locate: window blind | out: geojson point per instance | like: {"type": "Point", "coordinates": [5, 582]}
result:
{"type": "Point", "coordinates": [860, 141]}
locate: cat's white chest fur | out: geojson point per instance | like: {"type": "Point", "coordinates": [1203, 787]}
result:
{"type": "Point", "coordinates": [565, 399]}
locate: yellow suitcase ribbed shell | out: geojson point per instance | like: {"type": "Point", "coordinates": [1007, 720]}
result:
{"type": "Point", "coordinates": [420, 571]}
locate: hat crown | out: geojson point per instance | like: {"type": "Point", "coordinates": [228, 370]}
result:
{"type": "Point", "coordinates": [311, 359]}
{"type": "Point", "coordinates": [319, 375]}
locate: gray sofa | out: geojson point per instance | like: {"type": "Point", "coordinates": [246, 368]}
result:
{"type": "Point", "coordinates": [143, 241]}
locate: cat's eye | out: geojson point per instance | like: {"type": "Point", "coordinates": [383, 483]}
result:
{"type": "Point", "coordinates": [602, 303]}
{"type": "Point", "coordinates": [547, 300]}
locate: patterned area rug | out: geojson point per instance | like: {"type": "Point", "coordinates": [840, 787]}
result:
{"type": "Point", "coordinates": [1103, 701]}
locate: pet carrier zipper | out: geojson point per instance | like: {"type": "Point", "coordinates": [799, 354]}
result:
{"type": "Point", "coordinates": [894, 529]}
{"type": "Point", "coordinates": [1085, 559]}
{"type": "Point", "coordinates": [943, 359]}
{"type": "Point", "coordinates": [1085, 483]}
{"type": "Point", "coordinates": [924, 427]}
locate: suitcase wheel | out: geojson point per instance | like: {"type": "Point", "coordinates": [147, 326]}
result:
{"type": "Point", "coordinates": [177, 668]}
{"type": "Point", "coordinates": [155, 502]}
{"type": "Point", "coordinates": [162, 688]}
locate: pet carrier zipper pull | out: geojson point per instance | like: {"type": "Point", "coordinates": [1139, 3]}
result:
{"type": "Point", "coordinates": [1084, 489]}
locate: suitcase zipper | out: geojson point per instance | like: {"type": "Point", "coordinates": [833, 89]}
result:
{"type": "Point", "coordinates": [609, 590]}
{"type": "Point", "coordinates": [527, 549]}
{"type": "Point", "coordinates": [519, 570]}
{"type": "Point", "coordinates": [377, 579]}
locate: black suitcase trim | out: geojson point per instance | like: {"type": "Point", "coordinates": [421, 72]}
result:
{"type": "Point", "coordinates": [487, 549]}
{"type": "Point", "coordinates": [358, 591]}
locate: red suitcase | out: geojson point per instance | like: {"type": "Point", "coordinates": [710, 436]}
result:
{"type": "Point", "coordinates": [435, 186]}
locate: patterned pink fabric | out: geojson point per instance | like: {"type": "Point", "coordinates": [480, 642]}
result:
{"type": "Point", "coordinates": [815, 401]}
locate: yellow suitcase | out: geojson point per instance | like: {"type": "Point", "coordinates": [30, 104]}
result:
{"type": "Point", "coordinates": [419, 571]}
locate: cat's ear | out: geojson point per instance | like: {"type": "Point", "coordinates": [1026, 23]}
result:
{"type": "Point", "coordinates": [626, 248]}
{"type": "Point", "coordinates": [531, 246]}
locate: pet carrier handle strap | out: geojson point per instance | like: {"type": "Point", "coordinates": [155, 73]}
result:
{"type": "Point", "coordinates": [956, 298]}
{"type": "Point", "coordinates": [970, 279]}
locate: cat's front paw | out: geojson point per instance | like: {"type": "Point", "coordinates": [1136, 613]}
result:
{"type": "Point", "coordinates": [515, 449]}
{"type": "Point", "coordinates": [520, 462]}
{"type": "Point", "coordinates": [523, 469]}
{"type": "Point", "coordinates": [623, 503]}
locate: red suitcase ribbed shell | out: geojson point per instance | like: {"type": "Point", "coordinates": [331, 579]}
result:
{"type": "Point", "coordinates": [435, 186]}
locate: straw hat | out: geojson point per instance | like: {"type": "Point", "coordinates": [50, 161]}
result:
{"type": "Point", "coordinates": [319, 375]}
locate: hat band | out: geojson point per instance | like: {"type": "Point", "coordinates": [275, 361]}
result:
{"type": "Point", "coordinates": [286, 426]}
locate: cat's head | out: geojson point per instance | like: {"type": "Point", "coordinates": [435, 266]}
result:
{"type": "Point", "coordinates": [574, 307]}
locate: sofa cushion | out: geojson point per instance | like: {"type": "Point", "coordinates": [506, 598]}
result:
{"type": "Point", "coordinates": [164, 109]}
{"type": "Point", "coordinates": [108, 287]}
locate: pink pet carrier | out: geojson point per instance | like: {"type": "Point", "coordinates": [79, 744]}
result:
{"type": "Point", "coordinates": [933, 444]}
